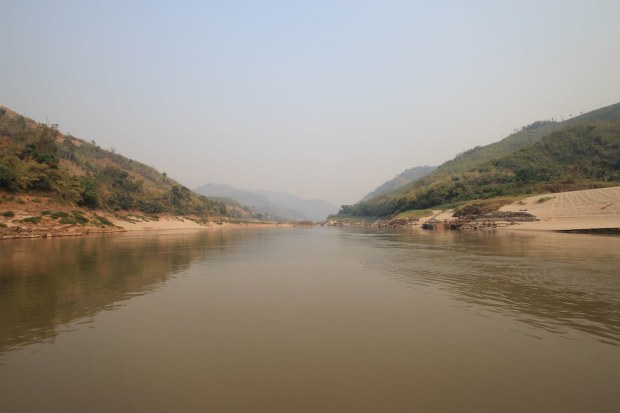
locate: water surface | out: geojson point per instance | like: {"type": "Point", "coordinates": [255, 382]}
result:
{"type": "Point", "coordinates": [311, 320]}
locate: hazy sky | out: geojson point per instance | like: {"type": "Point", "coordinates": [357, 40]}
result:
{"type": "Point", "coordinates": [323, 99]}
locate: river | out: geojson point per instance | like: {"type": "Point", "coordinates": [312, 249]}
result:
{"type": "Point", "coordinates": [311, 320]}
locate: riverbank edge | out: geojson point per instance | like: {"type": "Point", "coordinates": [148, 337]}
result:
{"type": "Point", "coordinates": [52, 228]}
{"type": "Point", "coordinates": [577, 226]}
{"type": "Point", "coordinates": [593, 211]}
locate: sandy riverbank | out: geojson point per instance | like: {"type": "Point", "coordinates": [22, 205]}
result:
{"type": "Point", "coordinates": [178, 223]}
{"type": "Point", "coordinates": [577, 210]}
{"type": "Point", "coordinates": [40, 217]}
{"type": "Point", "coordinates": [594, 210]}
{"type": "Point", "coordinates": [163, 223]}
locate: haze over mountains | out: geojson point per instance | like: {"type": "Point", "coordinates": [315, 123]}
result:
{"type": "Point", "coordinates": [400, 180]}
{"type": "Point", "coordinates": [279, 205]}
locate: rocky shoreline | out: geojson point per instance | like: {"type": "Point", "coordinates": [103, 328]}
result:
{"type": "Point", "coordinates": [54, 224]}
{"type": "Point", "coordinates": [381, 223]}
{"type": "Point", "coordinates": [494, 219]}
{"type": "Point", "coordinates": [16, 232]}
{"type": "Point", "coordinates": [592, 211]}
{"type": "Point", "coordinates": [36, 223]}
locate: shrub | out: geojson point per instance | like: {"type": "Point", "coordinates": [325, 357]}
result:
{"type": "Point", "coordinates": [544, 199]}
{"type": "Point", "coordinates": [32, 220]}
{"type": "Point", "coordinates": [88, 192]}
{"type": "Point", "coordinates": [68, 220]}
{"type": "Point", "coordinates": [59, 214]}
{"type": "Point", "coordinates": [80, 219]}
{"type": "Point", "coordinates": [476, 209]}
{"type": "Point", "coordinates": [8, 177]}
{"type": "Point", "coordinates": [8, 214]}
{"type": "Point", "coordinates": [103, 220]}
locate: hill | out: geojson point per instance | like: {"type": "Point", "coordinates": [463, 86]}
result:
{"type": "Point", "coordinates": [40, 164]}
{"type": "Point", "coordinates": [403, 179]}
{"type": "Point", "coordinates": [545, 156]}
{"type": "Point", "coordinates": [277, 205]}
{"type": "Point", "coordinates": [522, 138]}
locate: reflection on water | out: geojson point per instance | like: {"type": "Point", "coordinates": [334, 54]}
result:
{"type": "Point", "coordinates": [548, 280]}
{"type": "Point", "coordinates": [311, 320]}
{"type": "Point", "coordinates": [46, 283]}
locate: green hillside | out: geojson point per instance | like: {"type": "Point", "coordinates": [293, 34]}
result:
{"type": "Point", "coordinates": [522, 138]}
{"type": "Point", "coordinates": [399, 181]}
{"type": "Point", "coordinates": [38, 159]}
{"type": "Point", "coordinates": [544, 156]}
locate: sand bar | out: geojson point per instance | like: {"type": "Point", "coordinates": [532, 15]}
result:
{"type": "Point", "coordinates": [576, 210]}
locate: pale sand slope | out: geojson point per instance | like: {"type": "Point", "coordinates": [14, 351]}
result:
{"type": "Point", "coordinates": [593, 208]}
{"type": "Point", "coordinates": [175, 223]}
{"type": "Point", "coordinates": [162, 224]}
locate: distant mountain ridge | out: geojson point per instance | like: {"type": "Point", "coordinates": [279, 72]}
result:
{"type": "Point", "coordinates": [281, 206]}
{"type": "Point", "coordinates": [406, 177]}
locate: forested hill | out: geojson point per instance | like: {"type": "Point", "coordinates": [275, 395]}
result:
{"type": "Point", "coordinates": [521, 138]}
{"type": "Point", "coordinates": [38, 159]}
{"type": "Point", "coordinates": [583, 152]}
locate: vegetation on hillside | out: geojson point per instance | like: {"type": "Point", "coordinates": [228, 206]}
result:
{"type": "Point", "coordinates": [475, 157]}
{"type": "Point", "coordinates": [582, 156]}
{"type": "Point", "coordinates": [36, 158]}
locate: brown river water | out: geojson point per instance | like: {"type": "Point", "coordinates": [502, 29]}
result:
{"type": "Point", "coordinates": [311, 320]}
